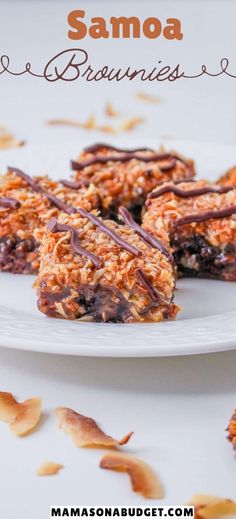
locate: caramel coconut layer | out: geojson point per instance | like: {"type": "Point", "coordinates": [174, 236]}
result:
{"type": "Point", "coordinates": [126, 176]}
{"type": "Point", "coordinates": [27, 203]}
{"type": "Point", "coordinates": [96, 270]}
{"type": "Point", "coordinates": [201, 221]}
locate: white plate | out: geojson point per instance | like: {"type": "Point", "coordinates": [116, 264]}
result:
{"type": "Point", "coordinates": [206, 324]}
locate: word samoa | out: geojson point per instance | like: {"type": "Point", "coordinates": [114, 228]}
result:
{"type": "Point", "coordinates": [122, 27]}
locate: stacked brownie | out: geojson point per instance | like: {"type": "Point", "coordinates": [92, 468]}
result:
{"type": "Point", "coordinates": [200, 219]}
{"type": "Point", "coordinates": [108, 243]}
{"type": "Point", "coordinates": [125, 177]}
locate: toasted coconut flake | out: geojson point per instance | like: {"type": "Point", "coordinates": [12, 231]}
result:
{"type": "Point", "coordinates": [84, 431]}
{"type": "Point", "coordinates": [9, 407]}
{"type": "Point", "coordinates": [27, 417]}
{"type": "Point", "coordinates": [143, 479]}
{"type": "Point", "coordinates": [64, 122]}
{"type": "Point", "coordinates": [131, 123]}
{"type": "Point", "coordinates": [218, 510]}
{"type": "Point", "coordinates": [106, 128]}
{"type": "Point", "coordinates": [7, 140]}
{"type": "Point", "coordinates": [203, 500]}
{"type": "Point", "coordinates": [211, 507]}
{"type": "Point", "coordinates": [147, 98]}
{"type": "Point", "coordinates": [110, 110]}
{"type": "Point", "coordinates": [49, 468]}
{"type": "Point", "coordinates": [22, 418]}
{"type": "Point", "coordinates": [89, 124]}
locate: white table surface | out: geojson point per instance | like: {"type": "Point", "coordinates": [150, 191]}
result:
{"type": "Point", "coordinates": [178, 407]}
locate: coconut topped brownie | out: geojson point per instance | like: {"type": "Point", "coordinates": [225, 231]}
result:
{"type": "Point", "coordinates": [126, 176]}
{"type": "Point", "coordinates": [201, 221]}
{"type": "Point", "coordinates": [27, 203]}
{"type": "Point", "coordinates": [229, 178]}
{"type": "Point", "coordinates": [97, 270]}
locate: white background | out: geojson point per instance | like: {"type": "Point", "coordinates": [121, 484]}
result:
{"type": "Point", "coordinates": [178, 407]}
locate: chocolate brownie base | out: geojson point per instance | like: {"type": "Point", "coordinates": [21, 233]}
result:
{"type": "Point", "coordinates": [18, 256]}
{"type": "Point", "coordinates": [100, 303]}
{"type": "Point", "coordinates": [196, 257]}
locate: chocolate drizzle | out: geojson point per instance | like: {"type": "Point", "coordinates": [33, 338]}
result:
{"type": "Point", "coordinates": [155, 298]}
{"type": "Point", "coordinates": [145, 236]}
{"type": "Point", "coordinates": [190, 192]}
{"type": "Point", "coordinates": [183, 180]}
{"type": "Point", "coordinates": [169, 166]}
{"type": "Point", "coordinates": [54, 226]}
{"type": "Point", "coordinates": [208, 215]}
{"type": "Point", "coordinates": [69, 209]}
{"type": "Point", "coordinates": [9, 203]}
{"type": "Point", "coordinates": [103, 159]}
{"type": "Point", "coordinates": [124, 244]}
{"type": "Point", "coordinates": [152, 292]}
{"type": "Point", "coordinates": [36, 187]}
{"type": "Point", "coordinates": [75, 184]}
{"type": "Point", "coordinates": [27, 178]}
{"type": "Point", "coordinates": [99, 145]}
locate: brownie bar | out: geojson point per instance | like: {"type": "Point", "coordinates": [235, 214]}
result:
{"type": "Point", "coordinates": [201, 221]}
{"type": "Point", "coordinates": [27, 203]}
{"type": "Point", "coordinates": [96, 270]}
{"type": "Point", "coordinates": [126, 176]}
